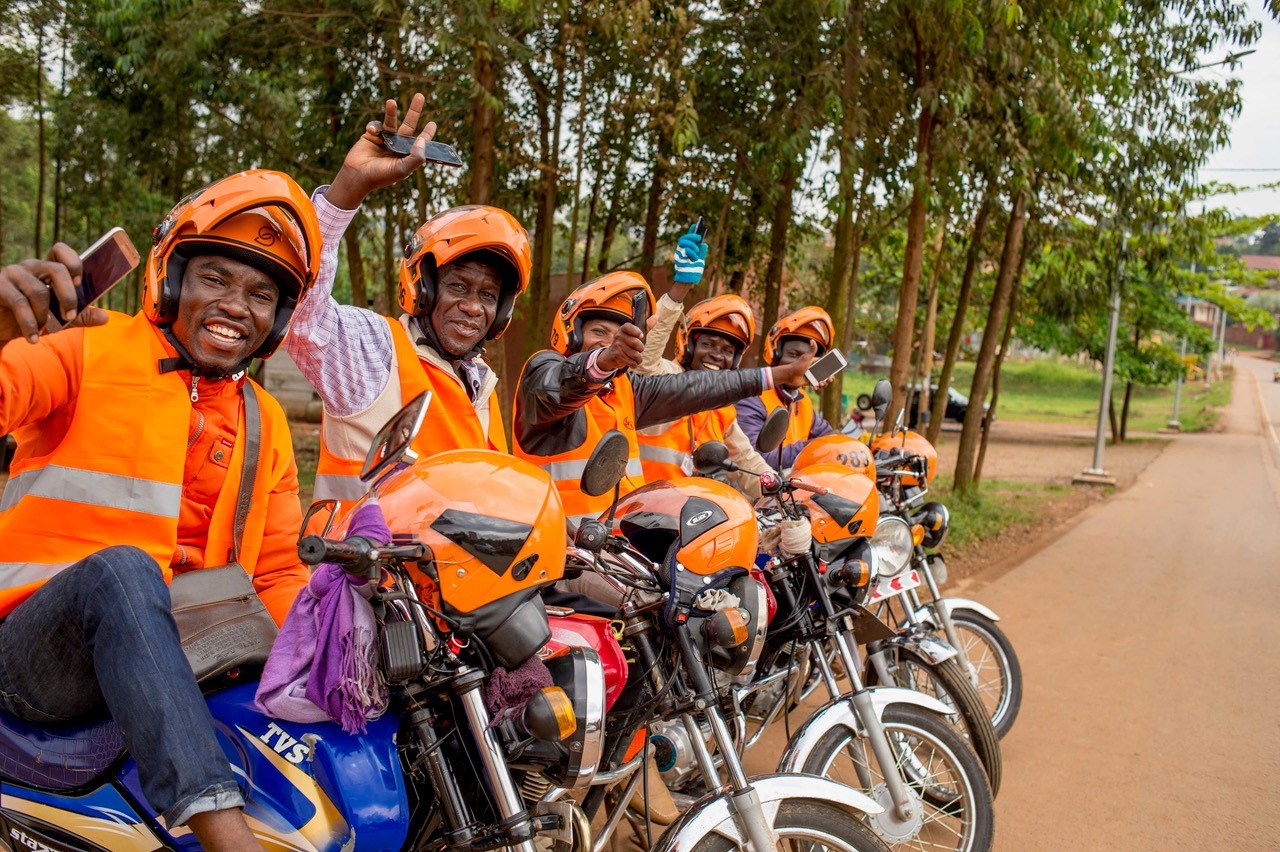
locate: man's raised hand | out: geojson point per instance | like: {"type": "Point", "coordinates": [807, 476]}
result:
{"type": "Point", "coordinates": [26, 289]}
{"type": "Point", "coordinates": [369, 166]}
{"type": "Point", "coordinates": [626, 350]}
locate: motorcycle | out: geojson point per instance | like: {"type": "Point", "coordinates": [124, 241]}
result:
{"type": "Point", "coordinates": [893, 743]}
{"type": "Point", "coordinates": [456, 599]}
{"type": "Point", "coordinates": [905, 465]}
{"type": "Point", "coordinates": [670, 560]}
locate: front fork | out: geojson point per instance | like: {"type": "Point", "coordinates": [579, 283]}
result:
{"type": "Point", "coordinates": [940, 612]}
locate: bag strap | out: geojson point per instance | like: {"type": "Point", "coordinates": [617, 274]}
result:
{"type": "Point", "coordinates": [248, 469]}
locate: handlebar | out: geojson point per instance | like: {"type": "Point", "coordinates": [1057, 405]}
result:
{"type": "Point", "coordinates": [355, 552]}
{"type": "Point", "coordinates": [801, 485]}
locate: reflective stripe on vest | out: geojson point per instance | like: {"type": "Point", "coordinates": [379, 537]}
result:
{"type": "Point", "coordinates": [91, 488]}
{"type": "Point", "coordinates": [572, 469]}
{"type": "Point", "coordinates": [336, 486]}
{"type": "Point", "coordinates": [22, 573]}
{"type": "Point", "coordinates": [666, 455]}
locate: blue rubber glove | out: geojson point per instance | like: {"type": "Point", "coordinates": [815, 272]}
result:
{"type": "Point", "coordinates": [691, 258]}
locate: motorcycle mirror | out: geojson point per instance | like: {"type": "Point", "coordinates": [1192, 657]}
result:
{"type": "Point", "coordinates": [774, 431]}
{"type": "Point", "coordinates": [607, 464]}
{"type": "Point", "coordinates": [864, 402]}
{"type": "Point", "coordinates": [881, 397]}
{"type": "Point", "coordinates": [319, 518]}
{"type": "Point", "coordinates": [712, 455]}
{"type": "Point", "coordinates": [393, 443]}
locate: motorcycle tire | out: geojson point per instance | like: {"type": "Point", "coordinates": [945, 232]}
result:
{"type": "Point", "coordinates": [950, 684]}
{"type": "Point", "coordinates": [965, 798]}
{"type": "Point", "coordinates": [987, 647]}
{"type": "Point", "coordinates": [811, 825]}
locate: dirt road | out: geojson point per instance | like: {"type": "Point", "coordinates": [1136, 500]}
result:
{"type": "Point", "coordinates": [1148, 637]}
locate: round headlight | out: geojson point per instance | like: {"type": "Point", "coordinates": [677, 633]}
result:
{"type": "Point", "coordinates": [578, 672]}
{"type": "Point", "coordinates": [892, 545]}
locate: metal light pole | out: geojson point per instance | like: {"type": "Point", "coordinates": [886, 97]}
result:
{"type": "Point", "coordinates": [1175, 424]}
{"type": "Point", "coordinates": [1097, 474]}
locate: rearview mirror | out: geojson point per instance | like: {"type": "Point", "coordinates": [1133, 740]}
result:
{"type": "Point", "coordinates": [711, 455]}
{"type": "Point", "coordinates": [606, 465]}
{"type": "Point", "coordinates": [881, 396]}
{"type": "Point", "coordinates": [393, 443]}
{"type": "Point", "coordinates": [774, 431]}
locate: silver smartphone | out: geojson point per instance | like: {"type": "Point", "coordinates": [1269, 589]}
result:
{"type": "Point", "coordinates": [825, 367]}
{"type": "Point", "coordinates": [103, 265]}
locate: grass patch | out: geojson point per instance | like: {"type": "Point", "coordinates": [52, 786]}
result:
{"type": "Point", "coordinates": [999, 506]}
{"type": "Point", "coordinates": [1060, 391]}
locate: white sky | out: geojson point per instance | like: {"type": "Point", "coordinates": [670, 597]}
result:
{"type": "Point", "coordinates": [1255, 135]}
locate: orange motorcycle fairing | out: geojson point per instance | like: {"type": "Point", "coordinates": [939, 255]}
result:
{"type": "Point", "coordinates": [910, 443]}
{"type": "Point", "coordinates": [837, 449]}
{"type": "Point", "coordinates": [848, 510]}
{"type": "Point", "coordinates": [712, 526]}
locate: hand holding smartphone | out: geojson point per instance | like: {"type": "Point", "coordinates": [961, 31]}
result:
{"type": "Point", "coordinates": [103, 265]}
{"type": "Point", "coordinates": [640, 312]}
{"type": "Point", "coordinates": [436, 152]}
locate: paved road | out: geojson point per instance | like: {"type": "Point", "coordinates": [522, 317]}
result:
{"type": "Point", "coordinates": [1149, 636]}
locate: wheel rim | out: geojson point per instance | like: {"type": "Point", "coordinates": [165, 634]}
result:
{"type": "Point", "coordinates": [929, 768]}
{"type": "Point", "coordinates": [991, 666]}
{"type": "Point", "coordinates": [814, 839]}
{"type": "Point", "coordinates": [911, 674]}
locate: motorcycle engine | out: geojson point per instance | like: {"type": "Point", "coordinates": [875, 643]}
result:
{"type": "Point", "coordinates": [673, 752]}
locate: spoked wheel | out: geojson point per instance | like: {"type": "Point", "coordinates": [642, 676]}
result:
{"type": "Point", "coordinates": [806, 825]}
{"type": "Point", "coordinates": [951, 806]}
{"type": "Point", "coordinates": [995, 667]}
{"type": "Point", "coordinates": [949, 683]}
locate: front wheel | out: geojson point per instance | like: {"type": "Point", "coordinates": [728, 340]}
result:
{"type": "Point", "coordinates": [951, 799]}
{"type": "Point", "coordinates": [948, 682]}
{"type": "Point", "coordinates": [994, 663]}
{"type": "Point", "coordinates": [803, 825]}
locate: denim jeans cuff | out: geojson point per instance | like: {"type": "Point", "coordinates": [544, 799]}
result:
{"type": "Point", "coordinates": [215, 797]}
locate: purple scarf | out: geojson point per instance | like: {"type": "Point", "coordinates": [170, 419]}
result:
{"type": "Point", "coordinates": [321, 667]}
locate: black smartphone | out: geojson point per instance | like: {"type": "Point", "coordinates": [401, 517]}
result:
{"type": "Point", "coordinates": [700, 227]}
{"type": "Point", "coordinates": [640, 311]}
{"type": "Point", "coordinates": [104, 264]}
{"type": "Point", "coordinates": [436, 152]}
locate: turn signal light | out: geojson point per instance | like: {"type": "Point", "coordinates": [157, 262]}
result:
{"type": "Point", "coordinates": [727, 628]}
{"type": "Point", "coordinates": [917, 534]}
{"type": "Point", "coordinates": [854, 573]}
{"type": "Point", "coordinates": [549, 715]}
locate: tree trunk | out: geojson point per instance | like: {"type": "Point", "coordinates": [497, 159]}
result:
{"type": "Point", "coordinates": [483, 119]}
{"type": "Point", "coordinates": [580, 136]}
{"type": "Point", "coordinates": [778, 248]}
{"type": "Point", "coordinates": [355, 267]}
{"type": "Point", "coordinates": [1128, 389]}
{"type": "Point", "coordinates": [982, 370]}
{"type": "Point", "coordinates": [913, 262]}
{"type": "Point", "coordinates": [41, 154]}
{"type": "Point", "coordinates": [620, 182]}
{"type": "Point", "coordinates": [962, 306]}
{"type": "Point", "coordinates": [59, 212]}
{"type": "Point", "coordinates": [924, 365]}
{"type": "Point", "coordinates": [550, 103]}
{"type": "Point", "coordinates": [653, 208]}
{"type": "Point", "coordinates": [596, 183]}
{"type": "Point", "coordinates": [1115, 420]}
{"type": "Point", "coordinates": [387, 296]}
{"type": "Point", "coordinates": [1009, 323]}
{"type": "Point", "coordinates": [859, 239]}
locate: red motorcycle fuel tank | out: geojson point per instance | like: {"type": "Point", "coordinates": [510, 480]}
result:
{"type": "Point", "coordinates": [590, 631]}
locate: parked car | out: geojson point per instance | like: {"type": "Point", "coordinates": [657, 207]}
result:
{"type": "Point", "coordinates": [957, 406]}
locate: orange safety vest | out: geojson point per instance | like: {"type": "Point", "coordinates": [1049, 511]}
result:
{"type": "Point", "coordinates": [451, 422]}
{"type": "Point", "coordinates": [667, 452]}
{"type": "Point", "coordinates": [801, 415]}
{"type": "Point", "coordinates": [115, 476]}
{"type": "Point", "coordinates": [612, 408]}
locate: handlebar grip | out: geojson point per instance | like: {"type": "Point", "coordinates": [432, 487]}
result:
{"type": "Point", "coordinates": [314, 549]}
{"type": "Point", "coordinates": [801, 485]}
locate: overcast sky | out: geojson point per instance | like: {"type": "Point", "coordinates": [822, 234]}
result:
{"type": "Point", "coordinates": [1255, 136]}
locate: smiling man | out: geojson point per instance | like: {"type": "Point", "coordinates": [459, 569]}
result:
{"type": "Point", "coordinates": [133, 436]}
{"type": "Point", "coordinates": [459, 279]}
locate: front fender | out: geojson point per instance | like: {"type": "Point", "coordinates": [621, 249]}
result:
{"type": "Point", "coordinates": [840, 713]}
{"type": "Point", "coordinates": [921, 641]}
{"type": "Point", "coordinates": [925, 614]}
{"type": "Point", "coordinates": [714, 811]}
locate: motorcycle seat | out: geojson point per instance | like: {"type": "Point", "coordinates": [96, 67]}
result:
{"type": "Point", "coordinates": [57, 757]}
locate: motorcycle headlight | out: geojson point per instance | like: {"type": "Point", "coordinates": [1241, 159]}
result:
{"type": "Point", "coordinates": [892, 545]}
{"type": "Point", "coordinates": [736, 638]}
{"type": "Point", "coordinates": [578, 672]}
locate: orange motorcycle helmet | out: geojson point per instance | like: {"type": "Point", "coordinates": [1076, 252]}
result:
{"type": "Point", "coordinates": [847, 512]}
{"type": "Point", "coordinates": [838, 449]}
{"type": "Point", "coordinates": [811, 323]}
{"type": "Point", "coordinates": [491, 548]}
{"type": "Point", "coordinates": [911, 444]}
{"type": "Point", "coordinates": [258, 217]}
{"type": "Point", "coordinates": [728, 316]}
{"type": "Point", "coordinates": [487, 232]}
{"type": "Point", "coordinates": [706, 526]}
{"type": "Point", "coordinates": [610, 295]}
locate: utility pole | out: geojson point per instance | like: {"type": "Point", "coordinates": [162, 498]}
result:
{"type": "Point", "coordinates": [1097, 474]}
{"type": "Point", "coordinates": [1175, 425]}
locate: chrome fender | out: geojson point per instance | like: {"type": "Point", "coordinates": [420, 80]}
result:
{"type": "Point", "coordinates": [714, 811]}
{"type": "Point", "coordinates": [840, 713]}
{"type": "Point", "coordinates": [924, 614]}
{"type": "Point", "coordinates": [924, 643]}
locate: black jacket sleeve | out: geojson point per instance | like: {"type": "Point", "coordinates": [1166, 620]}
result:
{"type": "Point", "coordinates": [549, 399]}
{"type": "Point", "coordinates": [661, 399]}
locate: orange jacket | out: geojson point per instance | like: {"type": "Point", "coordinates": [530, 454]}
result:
{"type": "Point", "coordinates": [668, 454]}
{"type": "Point", "coordinates": [111, 451]}
{"type": "Point", "coordinates": [452, 421]}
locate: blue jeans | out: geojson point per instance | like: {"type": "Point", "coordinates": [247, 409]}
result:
{"type": "Point", "coordinates": [100, 636]}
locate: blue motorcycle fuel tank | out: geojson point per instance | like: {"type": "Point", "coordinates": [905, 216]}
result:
{"type": "Point", "coordinates": [307, 787]}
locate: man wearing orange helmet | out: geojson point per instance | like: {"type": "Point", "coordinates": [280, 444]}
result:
{"type": "Point", "coordinates": [459, 278]}
{"type": "Point", "coordinates": [573, 393]}
{"type": "Point", "coordinates": [803, 334]}
{"type": "Point", "coordinates": [145, 452]}
{"type": "Point", "coordinates": [714, 337]}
